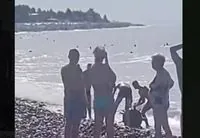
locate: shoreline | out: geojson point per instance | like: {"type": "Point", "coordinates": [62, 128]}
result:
{"type": "Point", "coordinates": [38, 27]}
{"type": "Point", "coordinates": [33, 119]}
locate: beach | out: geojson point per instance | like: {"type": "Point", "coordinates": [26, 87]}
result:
{"type": "Point", "coordinates": [39, 57]}
{"type": "Point", "coordinates": [34, 119]}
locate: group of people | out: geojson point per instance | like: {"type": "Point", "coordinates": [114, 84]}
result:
{"type": "Point", "coordinates": [100, 76]}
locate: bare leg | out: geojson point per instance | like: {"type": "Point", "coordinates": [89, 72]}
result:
{"type": "Point", "coordinates": [165, 124]}
{"type": "Point", "coordinates": [109, 125]}
{"type": "Point", "coordinates": [146, 107]}
{"type": "Point", "coordinates": [68, 128]}
{"type": "Point", "coordinates": [181, 124]}
{"type": "Point", "coordinates": [89, 108]}
{"type": "Point", "coordinates": [98, 124]}
{"type": "Point", "coordinates": [157, 120]}
{"type": "Point", "coordinates": [75, 129]}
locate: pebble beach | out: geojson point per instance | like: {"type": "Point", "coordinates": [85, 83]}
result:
{"type": "Point", "coordinates": [33, 120]}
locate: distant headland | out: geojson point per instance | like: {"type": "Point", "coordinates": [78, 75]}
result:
{"type": "Point", "coordinates": [30, 19]}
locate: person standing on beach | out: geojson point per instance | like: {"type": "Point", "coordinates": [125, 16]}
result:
{"type": "Point", "coordinates": [74, 94]}
{"type": "Point", "coordinates": [144, 95]}
{"type": "Point", "coordinates": [88, 87]}
{"type": "Point", "coordinates": [159, 96]}
{"type": "Point", "coordinates": [178, 62]}
{"type": "Point", "coordinates": [103, 81]}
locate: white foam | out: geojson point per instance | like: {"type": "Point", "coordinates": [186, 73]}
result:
{"type": "Point", "coordinates": [34, 92]}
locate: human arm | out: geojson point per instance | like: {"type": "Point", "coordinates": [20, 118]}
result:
{"type": "Point", "coordinates": [140, 102]}
{"type": "Point", "coordinates": [174, 54]}
{"type": "Point", "coordinates": [171, 83]}
{"type": "Point", "coordinates": [63, 79]}
{"type": "Point", "coordinates": [106, 59]}
{"type": "Point", "coordinates": [115, 88]}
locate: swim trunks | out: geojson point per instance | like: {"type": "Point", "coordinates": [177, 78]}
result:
{"type": "Point", "coordinates": [74, 107]}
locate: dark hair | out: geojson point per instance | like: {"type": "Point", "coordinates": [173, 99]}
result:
{"type": "Point", "coordinates": [135, 82]}
{"type": "Point", "coordinates": [73, 54]}
{"type": "Point", "coordinates": [89, 64]}
{"type": "Point", "coordinates": [159, 58]}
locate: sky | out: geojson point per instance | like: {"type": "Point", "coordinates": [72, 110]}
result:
{"type": "Point", "coordinates": [134, 11]}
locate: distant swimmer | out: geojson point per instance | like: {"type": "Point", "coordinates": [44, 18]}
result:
{"type": "Point", "coordinates": [166, 44]}
{"type": "Point", "coordinates": [90, 47]}
{"type": "Point", "coordinates": [77, 46]}
{"type": "Point", "coordinates": [53, 40]}
{"type": "Point", "coordinates": [134, 45]}
{"type": "Point", "coordinates": [131, 52]}
{"type": "Point", "coordinates": [47, 38]}
{"type": "Point", "coordinates": [30, 51]}
{"type": "Point", "coordinates": [112, 44]}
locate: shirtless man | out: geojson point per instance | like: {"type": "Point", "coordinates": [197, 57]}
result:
{"type": "Point", "coordinates": [88, 87]}
{"type": "Point", "coordinates": [178, 62]}
{"type": "Point", "coordinates": [144, 95]}
{"type": "Point", "coordinates": [103, 81]}
{"type": "Point", "coordinates": [74, 95]}
{"type": "Point", "coordinates": [159, 96]}
{"type": "Point", "coordinates": [125, 91]}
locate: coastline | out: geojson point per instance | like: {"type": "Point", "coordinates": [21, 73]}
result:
{"type": "Point", "coordinates": [33, 119]}
{"type": "Point", "coordinates": [51, 26]}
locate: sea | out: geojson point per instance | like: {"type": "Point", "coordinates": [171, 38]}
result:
{"type": "Point", "coordinates": [39, 57]}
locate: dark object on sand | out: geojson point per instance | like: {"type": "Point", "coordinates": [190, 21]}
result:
{"type": "Point", "coordinates": [134, 45]}
{"type": "Point", "coordinates": [135, 118]}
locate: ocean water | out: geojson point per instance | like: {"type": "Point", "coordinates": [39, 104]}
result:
{"type": "Point", "coordinates": [37, 73]}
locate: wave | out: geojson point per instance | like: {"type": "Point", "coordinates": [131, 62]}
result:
{"type": "Point", "coordinates": [143, 59]}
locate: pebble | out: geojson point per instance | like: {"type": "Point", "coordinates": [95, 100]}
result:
{"type": "Point", "coordinates": [33, 120]}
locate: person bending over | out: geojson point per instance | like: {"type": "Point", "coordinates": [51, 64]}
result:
{"type": "Point", "coordinates": [144, 95]}
{"type": "Point", "coordinates": [125, 91]}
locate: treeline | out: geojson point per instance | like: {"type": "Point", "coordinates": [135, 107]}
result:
{"type": "Point", "coordinates": [23, 13]}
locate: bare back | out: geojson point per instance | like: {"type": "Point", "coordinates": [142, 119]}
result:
{"type": "Point", "coordinates": [72, 78]}
{"type": "Point", "coordinates": [103, 79]}
{"type": "Point", "coordinates": [144, 92]}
